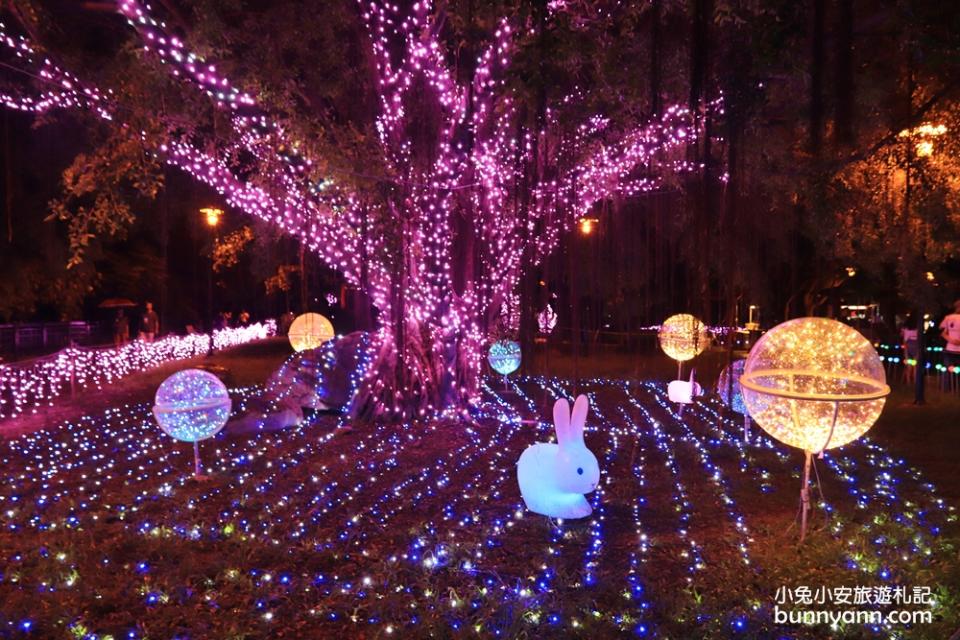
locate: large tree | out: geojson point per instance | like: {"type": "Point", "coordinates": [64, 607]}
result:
{"type": "Point", "coordinates": [416, 161]}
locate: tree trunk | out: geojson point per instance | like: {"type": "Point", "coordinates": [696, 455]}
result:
{"type": "Point", "coordinates": [844, 88]}
{"type": "Point", "coordinates": [164, 254]}
{"type": "Point", "coordinates": [362, 311]}
{"type": "Point", "coordinates": [699, 279]}
{"type": "Point", "coordinates": [575, 311]}
{"type": "Point", "coordinates": [8, 175]}
{"type": "Point", "coordinates": [816, 78]}
{"type": "Point", "coordinates": [532, 175]}
{"type": "Point", "coordinates": [920, 379]}
{"type": "Point", "coordinates": [655, 65]}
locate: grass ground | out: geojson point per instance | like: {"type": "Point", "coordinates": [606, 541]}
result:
{"type": "Point", "coordinates": [927, 435]}
{"type": "Point", "coordinates": [387, 531]}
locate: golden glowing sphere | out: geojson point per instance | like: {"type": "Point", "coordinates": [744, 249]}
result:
{"type": "Point", "coordinates": [309, 331]}
{"type": "Point", "coordinates": [683, 337]}
{"type": "Point", "coordinates": [814, 383]}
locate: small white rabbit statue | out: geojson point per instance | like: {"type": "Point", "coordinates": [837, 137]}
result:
{"type": "Point", "coordinates": [554, 477]}
{"type": "Point", "coordinates": [683, 391]}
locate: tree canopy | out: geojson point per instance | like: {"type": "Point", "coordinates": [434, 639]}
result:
{"type": "Point", "coordinates": [757, 153]}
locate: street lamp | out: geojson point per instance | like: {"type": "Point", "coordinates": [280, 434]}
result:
{"type": "Point", "coordinates": [211, 216]}
{"type": "Point", "coordinates": [587, 225]}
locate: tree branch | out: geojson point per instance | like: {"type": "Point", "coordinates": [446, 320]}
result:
{"type": "Point", "coordinates": [915, 119]}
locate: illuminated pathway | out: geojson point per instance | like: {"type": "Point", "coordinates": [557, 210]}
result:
{"type": "Point", "coordinates": [415, 530]}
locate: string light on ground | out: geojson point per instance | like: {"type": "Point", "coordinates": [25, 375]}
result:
{"type": "Point", "coordinates": [320, 525]}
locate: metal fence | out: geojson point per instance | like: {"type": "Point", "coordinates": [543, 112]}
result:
{"type": "Point", "coordinates": [21, 339]}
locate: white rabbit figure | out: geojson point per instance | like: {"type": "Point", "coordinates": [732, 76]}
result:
{"type": "Point", "coordinates": [554, 477]}
{"type": "Point", "coordinates": [683, 391]}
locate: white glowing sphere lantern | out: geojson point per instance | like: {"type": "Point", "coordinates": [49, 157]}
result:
{"type": "Point", "coordinates": [814, 384]}
{"type": "Point", "coordinates": [192, 405]}
{"type": "Point", "coordinates": [309, 331]}
{"type": "Point", "coordinates": [683, 337]}
{"type": "Point", "coordinates": [504, 356]}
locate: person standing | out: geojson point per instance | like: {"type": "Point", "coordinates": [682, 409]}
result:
{"type": "Point", "coordinates": [909, 340]}
{"type": "Point", "coordinates": [150, 326]}
{"type": "Point", "coordinates": [121, 329]}
{"type": "Point", "coordinates": [950, 331]}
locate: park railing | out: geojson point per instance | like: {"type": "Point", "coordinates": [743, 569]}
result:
{"type": "Point", "coordinates": [29, 385]}
{"type": "Point", "coordinates": [23, 339]}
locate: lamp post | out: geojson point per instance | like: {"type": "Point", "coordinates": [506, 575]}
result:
{"type": "Point", "coordinates": [586, 227]}
{"type": "Point", "coordinates": [211, 215]}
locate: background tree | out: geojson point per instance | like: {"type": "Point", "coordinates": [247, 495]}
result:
{"type": "Point", "coordinates": [437, 166]}
{"type": "Point", "coordinates": [453, 187]}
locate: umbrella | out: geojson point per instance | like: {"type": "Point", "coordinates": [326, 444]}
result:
{"type": "Point", "coordinates": [116, 303]}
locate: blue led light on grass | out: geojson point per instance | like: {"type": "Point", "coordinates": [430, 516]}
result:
{"type": "Point", "coordinates": [459, 508]}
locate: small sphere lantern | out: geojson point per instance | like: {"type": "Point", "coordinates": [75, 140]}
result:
{"type": "Point", "coordinates": [728, 386]}
{"type": "Point", "coordinates": [192, 405]}
{"type": "Point", "coordinates": [814, 384]}
{"type": "Point", "coordinates": [309, 331]}
{"type": "Point", "coordinates": [504, 356]}
{"type": "Point", "coordinates": [731, 393]}
{"type": "Point", "coordinates": [683, 337]}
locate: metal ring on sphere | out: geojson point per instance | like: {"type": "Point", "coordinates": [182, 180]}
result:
{"type": "Point", "coordinates": [747, 380]}
{"type": "Point", "coordinates": [197, 405]}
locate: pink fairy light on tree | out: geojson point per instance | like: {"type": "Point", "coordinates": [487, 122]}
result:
{"type": "Point", "coordinates": [471, 195]}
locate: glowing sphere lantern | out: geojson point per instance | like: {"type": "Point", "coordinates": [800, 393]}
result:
{"type": "Point", "coordinates": [504, 356]}
{"type": "Point", "coordinates": [309, 331]}
{"type": "Point", "coordinates": [192, 405]}
{"type": "Point", "coordinates": [815, 384]}
{"type": "Point", "coordinates": [728, 386]}
{"type": "Point", "coordinates": [731, 393]}
{"type": "Point", "coordinates": [683, 337]}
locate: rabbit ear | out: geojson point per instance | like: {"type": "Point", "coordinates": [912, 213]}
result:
{"type": "Point", "coordinates": [561, 420]}
{"type": "Point", "coordinates": [579, 418]}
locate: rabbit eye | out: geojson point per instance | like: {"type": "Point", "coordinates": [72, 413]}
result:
{"type": "Point", "coordinates": [580, 471]}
